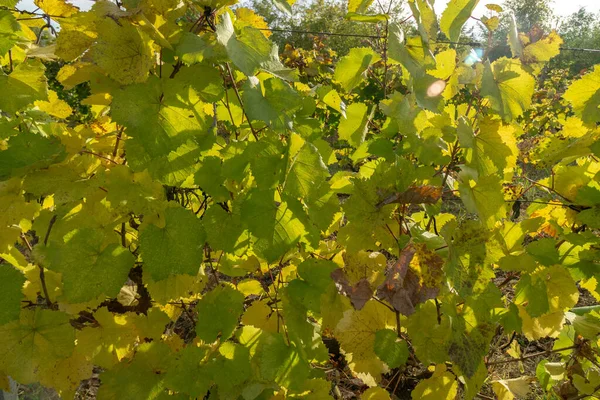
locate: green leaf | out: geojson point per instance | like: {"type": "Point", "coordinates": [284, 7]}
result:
{"type": "Point", "coordinates": [29, 81]}
{"type": "Point", "coordinates": [516, 47]}
{"type": "Point", "coordinates": [494, 149]}
{"type": "Point", "coordinates": [373, 19]}
{"type": "Point", "coordinates": [273, 359]}
{"type": "Point", "coordinates": [88, 268]}
{"type": "Point", "coordinates": [186, 373]}
{"type": "Point", "coordinates": [161, 125]}
{"type": "Point", "coordinates": [176, 248]}
{"type": "Point", "coordinates": [584, 96]}
{"type": "Point", "coordinates": [455, 15]}
{"type": "Point", "coordinates": [441, 386]}
{"type": "Point", "coordinates": [38, 339]}
{"type": "Point", "coordinates": [354, 127]}
{"type": "Point", "coordinates": [428, 92]}
{"type": "Point", "coordinates": [390, 349]}
{"type": "Point", "coordinates": [143, 378]}
{"type": "Point", "coordinates": [122, 41]}
{"type": "Point", "coordinates": [483, 196]}
{"type": "Point", "coordinates": [9, 31]}
{"type": "Point", "coordinates": [359, 6]}
{"type": "Point", "coordinates": [412, 52]}
{"type": "Point", "coordinates": [248, 48]}
{"type": "Point", "coordinates": [508, 87]}
{"type": "Point", "coordinates": [276, 106]}
{"type": "Point", "coordinates": [305, 171]}
{"type": "Point", "coordinates": [283, 6]}
{"type": "Point", "coordinates": [532, 291]}
{"type": "Point", "coordinates": [544, 251]}
{"type": "Point", "coordinates": [424, 14]}
{"type": "Point", "coordinates": [10, 303]}
{"type": "Point", "coordinates": [27, 151]}
{"type": "Point", "coordinates": [276, 228]}
{"type": "Point", "coordinates": [218, 313]}
{"type": "Point", "coordinates": [350, 69]}
{"type": "Point", "coordinates": [192, 49]}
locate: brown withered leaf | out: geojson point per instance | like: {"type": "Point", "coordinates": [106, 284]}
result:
{"type": "Point", "coordinates": [404, 288]}
{"type": "Point", "coordinates": [359, 293]}
{"type": "Point", "coordinates": [426, 194]}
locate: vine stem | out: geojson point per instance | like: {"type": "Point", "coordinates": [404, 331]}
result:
{"type": "Point", "coordinates": [237, 94]}
{"type": "Point", "coordinates": [119, 134]}
{"type": "Point", "coordinates": [98, 155]}
{"type": "Point", "coordinates": [523, 358]}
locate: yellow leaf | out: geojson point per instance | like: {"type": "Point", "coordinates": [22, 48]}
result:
{"type": "Point", "coordinates": [375, 393]}
{"type": "Point", "coordinates": [247, 17]}
{"type": "Point", "coordinates": [56, 8]}
{"type": "Point", "coordinates": [508, 389]}
{"type": "Point", "coordinates": [356, 334]}
{"type": "Point", "coordinates": [124, 52]}
{"type": "Point", "coordinates": [441, 386]}
{"type": "Point", "coordinates": [54, 106]}
{"type": "Point", "coordinates": [71, 75]}
{"type": "Point", "coordinates": [250, 286]}
{"type": "Point", "coordinates": [260, 315]}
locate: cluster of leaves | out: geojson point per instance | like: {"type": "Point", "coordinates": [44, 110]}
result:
{"type": "Point", "coordinates": [207, 187]}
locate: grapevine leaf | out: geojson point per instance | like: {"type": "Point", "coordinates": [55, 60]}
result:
{"type": "Point", "coordinates": [359, 6]}
{"type": "Point", "coordinates": [455, 15]}
{"type": "Point", "coordinates": [28, 151]}
{"type": "Point", "coordinates": [56, 8]}
{"type": "Point", "coordinates": [508, 87]}
{"type": "Point", "coordinates": [390, 349]}
{"type": "Point", "coordinates": [516, 47]}
{"type": "Point", "coordinates": [584, 96]}
{"type": "Point", "coordinates": [192, 49]}
{"type": "Point", "coordinates": [123, 51]}
{"type": "Point", "coordinates": [274, 225]}
{"type": "Point", "coordinates": [354, 127]}
{"type": "Point", "coordinates": [376, 393]}
{"type": "Point", "coordinates": [143, 378]}
{"type": "Point", "coordinates": [275, 105]}
{"type": "Point", "coordinates": [12, 283]}
{"type": "Point", "coordinates": [175, 248]}
{"type": "Point", "coordinates": [426, 19]}
{"type": "Point", "coordinates": [248, 48]}
{"type": "Point", "coordinates": [482, 196]}
{"type": "Point", "coordinates": [305, 171]}
{"type": "Point", "coordinates": [186, 373]}
{"type": "Point", "coordinates": [88, 268]}
{"type": "Point", "coordinates": [543, 50]}
{"type": "Point", "coordinates": [29, 81]}
{"type": "Point", "coordinates": [218, 313]}
{"type": "Point", "coordinates": [442, 385]}
{"type": "Point", "coordinates": [9, 31]}
{"type": "Point", "coordinates": [351, 68]}
{"type": "Point", "coordinates": [412, 280]}
{"type": "Point", "coordinates": [494, 148]}
{"type": "Point", "coordinates": [273, 358]}
{"type": "Point", "coordinates": [39, 338]}
{"type": "Point", "coordinates": [412, 52]}
{"type": "Point", "coordinates": [356, 333]}
{"type": "Point", "coordinates": [430, 338]}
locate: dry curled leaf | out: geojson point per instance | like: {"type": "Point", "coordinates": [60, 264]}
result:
{"type": "Point", "coordinates": [426, 194]}
{"type": "Point", "coordinates": [405, 286]}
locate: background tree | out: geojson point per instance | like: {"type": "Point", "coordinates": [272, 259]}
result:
{"type": "Point", "coordinates": [579, 30]}
{"type": "Point", "coordinates": [322, 16]}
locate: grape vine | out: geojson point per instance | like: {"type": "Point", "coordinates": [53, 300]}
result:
{"type": "Point", "coordinates": [184, 214]}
